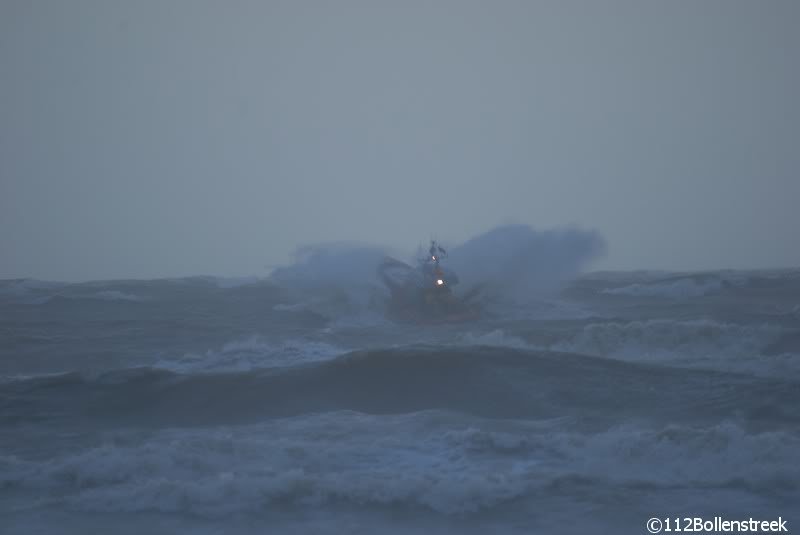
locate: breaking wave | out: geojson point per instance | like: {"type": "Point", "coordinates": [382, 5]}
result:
{"type": "Point", "coordinates": [681, 288]}
{"type": "Point", "coordinates": [251, 353]}
{"type": "Point", "coordinates": [407, 460]}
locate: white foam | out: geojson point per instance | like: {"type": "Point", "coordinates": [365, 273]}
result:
{"type": "Point", "coordinates": [235, 282]}
{"type": "Point", "coordinates": [360, 319]}
{"type": "Point", "coordinates": [28, 291]}
{"type": "Point", "coordinates": [251, 353]}
{"type": "Point", "coordinates": [114, 295]}
{"type": "Point", "coordinates": [19, 287]}
{"type": "Point", "coordinates": [541, 309]}
{"type": "Point", "coordinates": [693, 343]}
{"type": "Point", "coordinates": [700, 343]}
{"type": "Point", "coordinates": [351, 314]}
{"type": "Point", "coordinates": [34, 292]}
{"type": "Point", "coordinates": [495, 338]}
{"type": "Point", "coordinates": [681, 288]}
{"type": "Point", "coordinates": [662, 338]}
{"type": "Point", "coordinates": [417, 460]}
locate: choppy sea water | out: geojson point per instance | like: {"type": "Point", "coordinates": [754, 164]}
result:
{"type": "Point", "coordinates": [209, 405]}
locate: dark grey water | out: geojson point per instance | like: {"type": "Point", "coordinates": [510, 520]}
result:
{"type": "Point", "coordinates": [237, 406]}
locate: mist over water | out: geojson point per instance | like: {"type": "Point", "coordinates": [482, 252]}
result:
{"type": "Point", "coordinates": [331, 264]}
{"type": "Point", "coordinates": [519, 262]}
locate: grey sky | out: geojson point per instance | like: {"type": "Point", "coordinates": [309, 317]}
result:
{"type": "Point", "coordinates": [161, 138]}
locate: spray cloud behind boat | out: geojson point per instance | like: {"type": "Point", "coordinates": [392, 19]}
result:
{"type": "Point", "coordinates": [509, 263]}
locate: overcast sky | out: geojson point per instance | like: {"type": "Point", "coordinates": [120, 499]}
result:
{"type": "Point", "coordinates": [171, 137]}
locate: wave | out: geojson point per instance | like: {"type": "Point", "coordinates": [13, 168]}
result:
{"type": "Point", "coordinates": [22, 286]}
{"type": "Point", "coordinates": [678, 289]}
{"type": "Point", "coordinates": [762, 349]}
{"type": "Point", "coordinates": [665, 339]}
{"type": "Point", "coordinates": [428, 460]}
{"type": "Point", "coordinates": [494, 338]}
{"type": "Point", "coordinates": [114, 295]}
{"type": "Point", "coordinates": [27, 291]}
{"type": "Point", "coordinates": [224, 283]}
{"type": "Point", "coordinates": [482, 381]}
{"type": "Point", "coordinates": [253, 352]}
{"type": "Point", "coordinates": [105, 295]}
{"type": "Point", "coordinates": [679, 286]}
{"type": "Point", "coordinates": [164, 292]}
